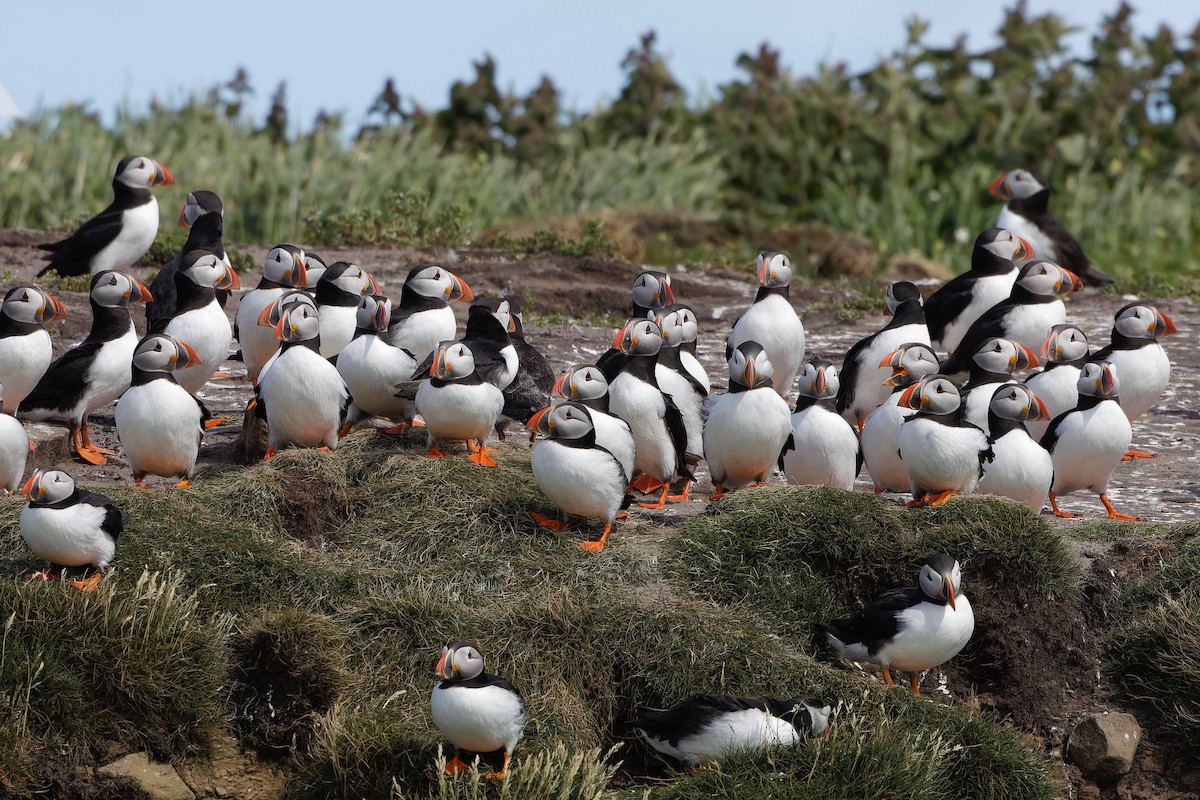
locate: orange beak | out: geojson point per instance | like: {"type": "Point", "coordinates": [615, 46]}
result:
{"type": "Point", "coordinates": [461, 291]}
{"type": "Point", "coordinates": [512, 323]}
{"type": "Point", "coordinates": [1047, 347]}
{"type": "Point", "coordinates": [559, 384]}
{"type": "Point", "coordinates": [374, 283]}
{"type": "Point", "coordinates": [906, 396]}
{"type": "Point", "coordinates": [381, 317]}
{"type": "Point", "coordinates": [1024, 250]}
{"type": "Point", "coordinates": [751, 374]}
{"type": "Point", "coordinates": [1076, 284]}
{"type": "Point", "coordinates": [668, 293]}
{"type": "Point", "coordinates": [189, 356]}
{"type": "Point", "coordinates": [280, 327]}
{"type": "Point", "coordinates": [536, 421]}
{"type": "Point", "coordinates": [1043, 412]}
{"type": "Point", "coordinates": [162, 176]}
{"type": "Point", "coordinates": [183, 223]}
{"type": "Point", "coordinates": [440, 669]}
{"type": "Point", "coordinates": [892, 359]}
{"type": "Point", "coordinates": [57, 309]}
{"type": "Point", "coordinates": [1025, 358]}
{"type": "Point", "coordinates": [299, 274]}
{"type": "Point", "coordinates": [763, 272]}
{"type": "Point", "coordinates": [821, 383]}
{"type": "Point", "coordinates": [229, 280]}
{"type": "Point", "coordinates": [1108, 380]}
{"type": "Point", "coordinates": [948, 588]}
{"type": "Point", "coordinates": [618, 342]}
{"type": "Point", "coordinates": [264, 318]}
{"type": "Point", "coordinates": [1164, 326]}
{"type": "Point", "coordinates": [27, 489]}
{"type": "Point", "coordinates": [140, 293]}
{"type": "Point", "coordinates": [999, 190]}
{"type": "Point", "coordinates": [438, 359]}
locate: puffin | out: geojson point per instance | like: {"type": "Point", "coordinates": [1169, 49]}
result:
{"type": "Point", "coordinates": [1021, 469]}
{"type": "Point", "coordinates": [1027, 212]}
{"type": "Point", "coordinates": [576, 473]}
{"type": "Point", "coordinates": [120, 234]}
{"type": "Point", "coordinates": [159, 424]}
{"type": "Point", "coordinates": [942, 453]}
{"type": "Point", "coordinates": [486, 335]}
{"type": "Point", "coordinates": [1033, 307]}
{"type": "Point", "coordinates": [14, 450]}
{"type": "Point", "coordinates": [199, 319]}
{"type": "Point", "coordinates": [371, 366]}
{"type": "Point", "coordinates": [530, 388]}
{"type": "Point", "coordinates": [651, 291]}
{"type": "Point", "coordinates": [684, 388]}
{"type": "Point", "coordinates": [477, 712]}
{"type": "Point", "coordinates": [690, 326]}
{"type": "Point", "coordinates": [862, 377]}
{"type": "Point", "coordinates": [701, 730]}
{"type": "Point", "coordinates": [824, 448]}
{"type": "Point", "coordinates": [284, 268]}
{"type": "Point", "coordinates": [748, 427]}
{"type": "Point", "coordinates": [302, 396]}
{"type": "Point", "coordinates": [68, 527]}
{"type": "Point", "coordinates": [203, 215]}
{"type": "Point", "coordinates": [879, 440]}
{"type": "Point", "coordinates": [314, 270]}
{"type": "Point", "coordinates": [1063, 355]}
{"type": "Point", "coordinates": [911, 629]}
{"type": "Point", "coordinates": [424, 319]}
{"type": "Point", "coordinates": [1139, 359]}
{"type": "Point", "coordinates": [1087, 442]}
{"type": "Point", "coordinates": [457, 404]}
{"type": "Point", "coordinates": [960, 301]}
{"type": "Point", "coordinates": [341, 287]}
{"type": "Point", "coordinates": [659, 435]}
{"type": "Point", "coordinates": [585, 384]}
{"type": "Point", "coordinates": [269, 318]}
{"type": "Point", "coordinates": [772, 322]}
{"type": "Point", "coordinates": [95, 372]}
{"type": "Point", "coordinates": [994, 364]}
{"type": "Point", "coordinates": [25, 349]}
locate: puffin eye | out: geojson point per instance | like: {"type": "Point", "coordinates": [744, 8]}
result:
{"type": "Point", "coordinates": [940, 389]}
{"type": "Point", "coordinates": [25, 297]}
{"type": "Point", "coordinates": [998, 348]}
{"type": "Point", "coordinates": [437, 276]}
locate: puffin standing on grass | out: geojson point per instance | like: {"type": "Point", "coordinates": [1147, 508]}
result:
{"type": "Point", "coordinates": [475, 711]}
{"type": "Point", "coordinates": [424, 319]}
{"type": "Point", "coordinates": [68, 527]}
{"type": "Point", "coordinates": [199, 319]}
{"type": "Point", "coordinates": [1021, 469]}
{"type": "Point", "coordinates": [203, 215]}
{"type": "Point", "coordinates": [702, 730]}
{"type": "Point", "coordinates": [95, 372]}
{"type": "Point", "coordinates": [863, 385]}
{"type": "Point", "coordinates": [942, 453]}
{"type": "Point", "coordinates": [25, 349]}
{"type": "Point", "coordinates": [338, 292]}
{"type": "Point", "coordinates": [1064, 353]}
{"type": "Point", "coordinates": [159, 424]}
{"type": "Point", "coordinates": [372, 366]}
{"type": "Point", "coordinates": [284, 268]}
{"type": "Point", "coordinates": [585, 384]}
{"type": "Point", "coordinates": [1027, 213]}
{"type": "Point", "coordinates": [772, 322]}
{"type": "Point", "coordinates": [576, 473]}
{"type": "Point", "coordinates": [457, 404]}
{"type": "Point", "coordinates": [824, 448]}
{"type": "Point", "coordinates": [912, 629]}
{"type": "Point", "coordinates": [747, 428]}
{"type": "Point", "coordinates": [120, 234]}
{"type": "Point", "coordinates": [1088, 442]}
{"type": "Point", "coordinates": [880, 434]}
{"type": "Point", "coordinates": [1139, 359]}
{"type": "Point", "coordinates": [963, 299]}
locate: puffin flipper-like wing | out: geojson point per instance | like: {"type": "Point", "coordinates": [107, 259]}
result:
{"type": "Point", "coordinates": [114, 521]}
{"type": "Point", "coordinates": [65, 380]}
{"type": "Point", "coordinates": [71, 256]}
{"type": "Point", "coordinates": [944, 305]}
{"type": "Point", "coordinates": [849, 372]}
{"type": "Point", "coordinates": [678, 432]}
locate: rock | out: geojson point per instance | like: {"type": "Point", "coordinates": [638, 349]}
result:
{"type": "Point", "coordinates": [158, 780]}
{"type": "Point", "coordinates": [234, 773]}
{"type": "Point", "coordinates": [1103, 746]}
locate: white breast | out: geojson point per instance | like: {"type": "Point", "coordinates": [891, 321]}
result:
{"type": "Point", "coordinates": [1089, 446]}
{"type": "Point", "coordinates": [258, 342]}
{"type": "Point", "coordinates": [773, 323]}
{"type": "Point", "coordinates": [14, 449]}
{"type": "Point", "coordinates": [695, 369]}
{"type": "Point", "coordinates": [582, 482]}
{"type": "Point", "coordinates": [70, 537]}
{"type": "Point", "coordinates": [337, 327]}
{"type": "Point", "coordinates": [23, 362]}
{"type": "Point", "coordinates": [422, 332]}
{"type": "Point", "coordinates": [880, 437]}
{"type": "Point", "coordinates": [985, 293]}
{"type": "Point", "coordinates": [643, 409]}
{"type": "Point", "coordinates": [457, 411]}
{"type": "Point", "coordinates": [689, 402]}
{"type": "Point", "coordinates": [480, 719]}
{"type": "Point", "coordinates": [929, 635]}
{"type": "Point", "coordinates": [1043, 246]}
{"type": "Point", "coordinates": [744, 434]}
{"type": "Point", "coordinates": [869, 387]}
{"type": "Point", "coordinates": [304, 396]}
{"type": "Point", "coordinates": [111, 371]}
{"type": "Point", "coordinates": [158, 424]}
{"type": "Point", "coordinates": [372, 367]}
{"type": "Point", "coordinates": [613, 434]}
{"type": "Point", "coordinates": [1144, 374]}
{"type": "Point", "coordinates": [978, 400]}
{"type": "Point", "coordinates": [1022, 470]}
{"type": "Point", "coordinates": [940, 457]}
{"type": "Point", "coordinates": [1030, 324]}
{"type": "Point", "coordinates": [1057, 389]}
{"type": "Point", "coordinates": [139, 226]}
{"type": "Point", "coordinates": [826, 452]}
{"type": "Point", "coordinates": [208, 331]}
{"type": "Point", "coordinates": [728, 734]}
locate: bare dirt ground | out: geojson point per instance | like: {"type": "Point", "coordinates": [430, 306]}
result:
{"type": "Point", "coordinates": [1164, 489]}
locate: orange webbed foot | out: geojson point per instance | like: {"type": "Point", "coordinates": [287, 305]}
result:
{"type": "Point", "coordinates": [396, 430]}
{"type": "Point", "coordinates": [683, 495]}
{"type": "Point", "coordinates": [215, 422]}
{"type": "Point", "coordinates": [598, 545]}
{"type": "Point", "coordinates": [645, 484]}
{"type": "Point", "coordinates": [435, 452]}
{"type": "Point", "coordinates": [32, 447]}
{"type": "Point", "coordinates": [88, 585]}
{"type": "Point", "coordinates": [47, 573]}
{"type": "Point", "coordinates": [1114, 514]}
{"type": "Point", "coordinates": [184, 484]}
{"type": "Point", "coordinates": [1132, 454]}
{"type": "Point", "coordinates": [718, 493]}
{"type": "Point", "coordinates": [550, 522]}
{"type": "Point", "coordinates": [91, 456]}
{"type": "Point", "coordinates": [661, 501]}
{"type": "Point", "coordinates": [271, 453]}
{"type": "Point", "coordinates": [1058, 512]}
{"type": "Point", "coordinates": [941, 498]}
{"type": "Point", "coordinates": [344, 430]}
{"type": "Point", "coordinates": [482, 458]}
{"type": "Point", "coordinates": [455, 765]}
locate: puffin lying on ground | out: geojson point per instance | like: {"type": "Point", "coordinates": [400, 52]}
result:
{"type": "Point", "coordinates": [477, 712]}
{"type": "Point", "coordinates": [68, 527]}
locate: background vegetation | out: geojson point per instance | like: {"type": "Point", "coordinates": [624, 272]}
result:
{"type": "Point", "coordinates": [901, 153]}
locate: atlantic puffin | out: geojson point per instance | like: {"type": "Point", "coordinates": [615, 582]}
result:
{"type": "Point", "coordinates": [14, 450]}
{"type": "Point", "coordinates": [457, 404]}
{"type": "Point", "coordinates": [371, 366]}
{"type": "Point", "coordinates": [824, 448]}
{"type": "Point", "coordinates": [486, 335]}
{"type": "Point", "coordinates": [25, 349]}
{"type": "Point", "coordinates": [203, 215]}
{"type": "Point", "coordinates": [1088, 442]}
{"type": "Point", "coordinates": [689, 325]}
{"type": "Point", "coordinates": [911, 629]}
{"type": "Point", "coordinates": [95, 372]}
{"type": "Point", "coordinates": [337, 294]}
{"type": "Point", "coordinates": [269, 318]}
{"type": "Point", "coordinates": [651, 291]}
{"type": "Point", "coordinates": [1139, 359]}
{"type": "Point", "coordinates": [862, 384]}
{"type": "Point", "coordinates": [702, 730]}
{"type": "Point", "coordinates": [577, 474]}
{"type": "Point", "coordinates": [1027, 213]}
{"type": "Point", "coordinates": [1022, 469]}
{"type": "Point", "coordinates": [477, 712]}
{"type": "Point", "coordinates": [284, 268]}
{"type": "Point", "coordinates": [659, 435]}
{"type": "Point", "coordinates": [880, 434]}
{"type": "Point", "coordinates": [423, 319]}
{"type": "Point", "coordinates": [995, 362]}
{"type": "Point", "coordinates": [530, 389]}
{"type": "Point", "coordinates": [748, 427]}
{"type": "Point", "coordinates": [585, 384]}
{"type": "Point", "coordinates": [199, 319]}
{"type": "Point", "coordinates": [159, 424]}
{"type": "Point", "coordinates": [314, 270]}
{"type": "Point", "coordinates": [1063, 355]}
{"type": "Point", "coordinates": [772, 322]}
{"type": "Point", "coordinates": [302, 397]}
{"type": "Point", "coordinates": [995, 259]}
{"type": "Point", "coordinates": [68, 527]}
{"type": "Point", "coordinates": [120, 234]}
{"type": "Point", "coordinates": [943, 454]}
{"type": "Point", "coordinates": [683, 387]}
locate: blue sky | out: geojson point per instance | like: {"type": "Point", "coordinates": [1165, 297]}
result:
{"type": "Point", "coordinates": [335, 56]}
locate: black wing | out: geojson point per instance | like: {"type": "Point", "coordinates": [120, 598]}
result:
{"type": "Point", "coordinates": [1069, 253]}
{"type": "Point", "coordinates": [876, 624]}
{"type": "Point", "coordinates": [678, 433]}
{"type": "Point", "coordinates": [114, 521]}
{"type": "Point", "coordinates": [988, 325]}
{"type": "Point", "coordinates": [611, 363]}
{"type": "Point", "coordinates": [73, 255]}
{"type": "Point", "coordinates": [849, 372]}
{"type": "Point", "coordinates": [789, 445]}
{"type": "Point", "coordinates": [524, 396]}
{"type": "Point", "coordinates": [693, 715]}
{"type": "Point", "coordinates": [162, 289]}
{"type": "Point", "coordinates": [535, 365]}
{"type": "Point", "coordinates": [944, 305]}
{"type": "Point", "coordinates": [1050, 437]}
{"type": "Point", "coordinates": [65, 381]}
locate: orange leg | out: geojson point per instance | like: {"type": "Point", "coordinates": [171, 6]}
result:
{"type": "Point", "coordinates": [622, 515]}
{"type": "Point", "coordinates": [221, 375]}
{"type": "Point", "coordinates": [1058, 512]}
{"type": "Point", "coordinates": [455, 765]}
{"type": "Point", "coordinates": [645, 484]}
{"type": "Point", "coordinates": [683, 495]}
{"type": "Point", "coordinates": [87, 441]}
{"type": "Point", "coordinates": [718, 493]}
{"type": "Point", "coordinates": [861, 421]}
{"type": "Point", "coordinates": [324, 449]}
{"type": "Point", "coordinates": [90, 584]}
{"type": "Point", "coordinates": [32, 447]}
{"type": "Point", "coordinates": [914, 683]}
{"type": "Point", "coordinates": [1131, 454]}
{"type": "Point", "coordinates": [396, 430]}
{"type": "Point", "coordinates": [84, 452]}
{"type": "Point", "coordinates": [137, 482]}
{"type": "Point", "coordinates": [661, 501]}
{"type": "Point", "coordinates": [550, 522]}
{"type": "Point", "coordinates": [184, 484]}
{"type": "Point", "coordinates": [887, 676]}
{"type": "Point", "coordinates": [344, 430]}
{"type": "Point", "coordinates": [480, 454]}
{"type": "Point", "coordinates": [878, 490]}
{"type": "Point", "coordinates": [214, 422]}
{"type": "Point", "coordinates": [499, 776]}
{"type": "Point", "coordinates": [1114, 514]}
{"type": "Point", "coordinates": [434, 452]}
{"type": "Point", "coordinates": [271, 453]}
{"type": "Point", "coordinates": [940, 498]}
{"type": "Point", "coordinates": [590, 547]}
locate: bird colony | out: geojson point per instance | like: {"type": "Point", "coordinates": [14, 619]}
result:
{"type": "Point", "coordinates": [982, 386]}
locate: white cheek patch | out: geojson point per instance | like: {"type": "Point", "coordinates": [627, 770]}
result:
{"type": "Point", "coordinates": [1002, 248]}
